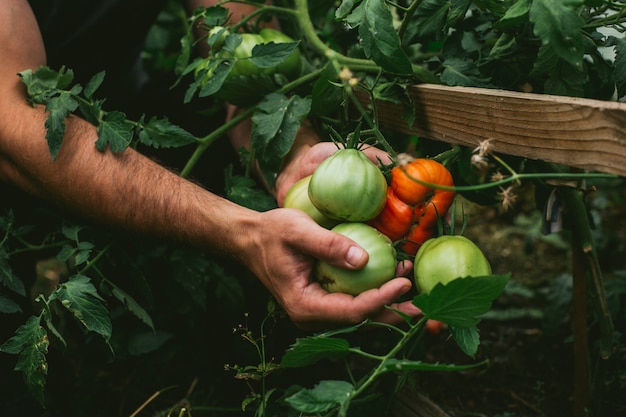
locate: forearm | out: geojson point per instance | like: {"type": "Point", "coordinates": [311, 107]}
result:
{"type": "Point", "coordinates": [126, 191]}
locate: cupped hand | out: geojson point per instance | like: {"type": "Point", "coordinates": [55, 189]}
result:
{"type": "Point", "coordinates": [284, 245]}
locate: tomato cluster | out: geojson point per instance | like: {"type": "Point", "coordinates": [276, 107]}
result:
{"type": "Point", "coordinates": [414, 203]}
{"type": "Point", "coordinates": [350, 194]}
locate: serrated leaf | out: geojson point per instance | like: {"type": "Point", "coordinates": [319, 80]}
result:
{"type": "Point", "coordinates": [161, 133]}
{"type": "Point", "coordinates": [620, 64]}
{"type": "Point", "coordinates": [246, 192]}
{"type": "Point", "coordinates": [275, 124]}
{"type": "Point", "coordinates": [307, 351]}
{"type": "Point", "coordinates": [8, 306]}
{"type": "Point", "coordinates": [58, 108]}
{"type": "Point", "coordinates": [114, 131]}
{"type": "Point", "coordinates": [467, 338]}
{"type": "Point", "coordinates": [94, 83]}
{"type": "Point", "coordinates": [131, 305]}
{"type": "Point", "coordinates": [344, 8]}
{"type": "Point", "coordinates": [326, 97]}
{"type": "Point", "coordinates": [380, 40]}
{"type": "Point", "coordinates": [30, 342]}
{"type": "Point", "coordinates": [461, 301]}
{"type": "Point", "coordinates": [429, 20]}
{"type": "Point", "coordinates": [269, 55]}
{"type": "Point", "coordinates": [462, 72]}
{"type": "Point", "coordinates": [6, 273]}
{"type": "Point", "coordinates": [323, 397]}
{"type": "Point", "coordinates": [514, 15]}
{"type": "Point", "coordinates": [44, 82]}
{"type": "Point", "coordinates": [81, 298]}
{"type": "Point", "coordinates": [214, 82]}
{"type": "Point", "coordinates": [558, 24]}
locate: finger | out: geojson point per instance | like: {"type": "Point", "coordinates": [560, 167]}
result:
{"type": "Point", "coordinates": [404, 268]}
{"type": "Point", "coordinates": [331, 247]}
{"type": "Point", "coordinates": [322, 309]}
{"type": "Point", "coordinates": [377, 156]}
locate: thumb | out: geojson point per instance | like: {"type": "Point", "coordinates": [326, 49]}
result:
{"type": "Point", "coordinates": [335, 249]}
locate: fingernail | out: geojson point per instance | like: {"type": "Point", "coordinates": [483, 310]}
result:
{"type": "Point", "coordinates": [355, 256]}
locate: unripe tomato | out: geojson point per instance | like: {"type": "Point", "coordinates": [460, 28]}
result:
{"type": "Point", "coordinates": [290, 67]}
{"type": "Point", "coordinates": [380, 268]}
{"type": "Point", "coordinates": [298, 197]}
{"type": "Point", "coordinates": [243, 52]}
{"type": "Point", "coordinates": [446, 258]}
{"type": "Point", "coordinates": [348, 186]}
{"type": "Point", "coordinates": [412, 209]}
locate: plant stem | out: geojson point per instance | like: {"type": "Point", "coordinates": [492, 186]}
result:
{"type": "Point", "coordinates": [206, 141]}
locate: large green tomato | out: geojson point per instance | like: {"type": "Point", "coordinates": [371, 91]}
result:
{"type": "Point", "coordinates": [298, 197]}
{"type": "Point", "coordinates": [380, 268]}
{"type": "Point", "coordinates": [348, 186]}
{"type": "Point", "coordinates": [446, 258]}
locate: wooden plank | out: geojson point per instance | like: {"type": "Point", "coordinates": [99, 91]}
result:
{"type": "Point", "coordinates": [582, 133]}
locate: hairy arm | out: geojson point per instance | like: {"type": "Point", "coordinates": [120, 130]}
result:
{"type": "Point", "coordinates": [130, 192]}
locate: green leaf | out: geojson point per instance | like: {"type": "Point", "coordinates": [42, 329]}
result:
{"type": "Point", "coordinates": [326, 97]}
{"type": "Point", "coordinates": [323, 397]}
{"type": "Point", "coordinates": [6, 273]}
{"type": "Point", "coordinates": [344, 8]}
{"type": "Point", "coordinates": [58, 108]}
{"type": "Point", "coordinates": [115, 131]}
{"type": "Point", "coordinates": [161, 133]}
{"type": "Point", "coordinates": [246, 192]}
{"type": "Point", "coordinates": [130, 304]}
{"type": "Point", "coordinates": [214, 82]}
{"type": "Point", "coordinates": [269, 55]}
{"type": "Point", "coordinates": [461, 301]}
{"type": "Point", "coordinates": [561, 78]}
{"type": "Point", "coordinates": [467, 338]}
{"type": "Point", "coordinates": [309, 350]}
{"type": "Point", "coordinates": [93, 84]}
{"type": "Point", "coordinates": [620, 64]}
{"type": "Point", "coordinates": [81, 298]}
{"type": "Point", "coordinates": [380, 40]}
{"type": "Point", "coordinates": [30, 342]}
{"type": "Point", "coordinates": [558, 24]}
{"type": "Point", "coordinates": [44, 82]}
{"type": "Point", "coordinates": [514, 15]}
{"type": "Point", "coordinates": [8, 306]}
{"type": "Point", "coordinates": [429, 21]}
{"type": "Point", "coordinates": [275, 124]}
{"type": "Point", "coordinates": [462, 72]}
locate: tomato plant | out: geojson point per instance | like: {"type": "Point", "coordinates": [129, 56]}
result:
{"type": "Point", "coordinates": [414, 204]}
{"type": "Point", "coordinates": [380, 268]}
{"type": "Point", "coordinates": [445, 258]}
{"type": "Point", "coordinates": [298, 197]}
{"type": "Point", "coordinates": [348, 186]}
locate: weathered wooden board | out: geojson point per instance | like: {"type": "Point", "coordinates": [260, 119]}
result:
{"type": "Point", "coordinates": [583, 133]}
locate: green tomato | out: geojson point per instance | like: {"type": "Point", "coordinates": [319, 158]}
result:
{"type": "Point", "coordinates": [348, 186]}
{"type": "Point", "coordinates": [380, 268]}
{"type": "Point", "coordinates": [298, 197]}
{"type": "Point", "coordinates": [243, 66]}
{"type": "Point", "coordinates": [446, 258]}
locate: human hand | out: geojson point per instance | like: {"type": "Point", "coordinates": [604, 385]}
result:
{"type": "Point", "coordinates": [283, 247]}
